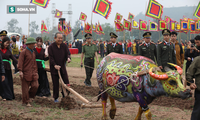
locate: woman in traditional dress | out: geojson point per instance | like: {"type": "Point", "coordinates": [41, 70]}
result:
{"type": "Point", "coordinates": [43, 89]}
{"type": "Point", "coordinates": [7, 85]}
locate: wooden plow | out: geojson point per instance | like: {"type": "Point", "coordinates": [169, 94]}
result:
{"type": "Point", "coordinates": [86, 103]}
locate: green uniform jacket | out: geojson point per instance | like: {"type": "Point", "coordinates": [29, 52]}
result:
{"type": "Point", "coordinates": [116, 49]}
{"type": "Point", "coordinates": [149, 52]}
{"type": "Point", "coordinates": [165, 54]}
{"type": "Point", "coordinates": [89, 50]}
{"type": "Point", "coordinates": [194, 72]}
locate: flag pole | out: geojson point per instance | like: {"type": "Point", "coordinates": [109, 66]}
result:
{"type": "Point", "coordinates": [92, 12]}
{"type": "Point", "coordinates": [29, 19]}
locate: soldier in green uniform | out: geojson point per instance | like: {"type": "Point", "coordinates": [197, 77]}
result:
{"type": "Point", "coordinates": [148, 49]}
{"type": "Point", "coordinates": [165, 51]}
{"type": "Point", "coordinates": [90, 51]}
{"type": "Point", "coordinates": [114, 46]}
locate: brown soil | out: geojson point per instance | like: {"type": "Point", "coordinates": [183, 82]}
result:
{"type": "Point", "coordinates": [13, 117]}
{"type": "Point", "coordinates": [68, 103]}
{"type": "Point", "coordinates": [174, 102]}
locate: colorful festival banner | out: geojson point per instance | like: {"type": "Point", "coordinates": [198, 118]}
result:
{"type": "Point", "coordinates": [118, 17]}
{"type": "Point", "coordinates": [83, 17]}
{"type": "Point", "coordinates": [189, 22]}
{"type": "Point", "coordinates": [41, 3]}
{"type": "Point", "coordinates": [127, 25]}
{"type": "Point", "coordinates": [135, 24]}
{"type": "Point", "coordinates": [167, 19]}
{"type": "Point", "coordinates": [130, 16]}
{"type": "Point", "coordinates": [65, 29]}
{"type": "Point", "coordinates": [153, 26]}
{"type": "Point", "coordinates": [177, 26]}
{"type": "Point", "coordinates": [143, 25]}
{"type": "Point", "coordinates": [88, 28]}
{"type": "Point", "coordinates": [59, 27]}
{"type": "Point", "coordinates": [172, 25]}
{"type": "Point", "coordinates": [184, 25]}
{"type": "Point", "coordinates": [69, 27]}
{"type": "Point", "coordinates": [58, 14]}
{"type": "Point", "coordinates": [197, 11]}
{"type": "Point", "coordinates": [162, 25]}
{"type": "Point", "coordinates": [154, 9]}
{"type": "Point", "coordinates": [102, 7]}
{"type": "Point", "coordinates": [44, 28]}
{"type": "Point", "coordinates": [192, 27]}
{"type": "Point", "coordinates": [119, 26]}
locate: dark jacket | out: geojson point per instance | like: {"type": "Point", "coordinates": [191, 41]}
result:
{"type": "Point", "coordinates": [40, 56]}
{"type": "Point", "coordinates": [194, 72]}
{"type": "Point", "coordinates": [2, 70]}
{"type": "Point", "coordinates": [7, 56]}
{"type": "Point", "coordinates": [149, 52]}
{"type": "Point", "coordinates": [116, 49]}
{"type": "Point", "coordinates": [58, 56]}
{"type": "Point", "coordinates": [165, 54]}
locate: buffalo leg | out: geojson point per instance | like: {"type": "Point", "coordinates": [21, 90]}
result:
{"type": "Point", "coordinates": [104, 97]}
{"type": "Point", "coordinates": [140, 111]}
{"type": "Point", "coordinates": [113, 108]}
{"type": "Point", "coordinates": [148, 114]}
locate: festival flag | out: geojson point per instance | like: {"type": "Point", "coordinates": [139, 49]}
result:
{"type": "Point", "coordinates": [197, 25]}
{"type": "Point", "coordinates": [58, 14]}
{"type": "Point", "coordinates": [119, 26]}
{"type": "Point", "coordinates": [88, 28]}
{"type": "Point", "coordinates": [93, 27]}
{"type": "Point", "coordinates": [189, 22]}
{"type": "Point", "coordinates": [172, 25]}
{"type": "Point", "coordinates": [153, 26]}
{"type": "Point", "coordinates": [118, 17]}
{"type": "Point", "coordinates": [69, 27]}
{"type": "Point", "coordinates": [65, 29]}
{"type": "Point", "coordinates": [162, 25]}
{"type": "Point", "coordinates": [102, 7]}
{"type": "Point", "coordinates": [143, 25]}
{"type": "Point", "coordinates": [197, 11]}
{"type": "Point", "coordinates": [82, 28]}
{"type": "Point", "coordinates": [154, 10]}
{"type": "Point", "coordinates": [184, 25]}
{"type": "Point", "coordinates": [44, 28]}
{"type": "Point", "coordinates": [177, 26]}
{"type": "Point", "coordinates": [135, 24]}
{"type": "Point", "coordinates": [127, 25]}
{"type": "Point", "coordinates": [41, 3]}
{"type": "Point", "coordinates": [192, 27]}
{"type": "Point", "coordinates": [83, 17]}
{"type": "Point", "coordinates": [167, 19]}
{"type": "Point", "coordinates": [131, 16]}
{"type": "Point", "coordinates": [59, 27]}
{"type": "Point", "coordinates": [100, 29]}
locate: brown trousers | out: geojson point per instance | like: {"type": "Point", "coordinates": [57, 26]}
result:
{"type": "Point", "coordinates": [28, 92]}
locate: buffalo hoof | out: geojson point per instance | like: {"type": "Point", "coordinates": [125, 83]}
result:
{"type": "Point", "coordinates": [112, 113]}
{"type": "Point", "coordinates": [104, 118]}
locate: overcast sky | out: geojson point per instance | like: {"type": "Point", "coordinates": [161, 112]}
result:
{"type": "Point", "coordinates": [121, 6]}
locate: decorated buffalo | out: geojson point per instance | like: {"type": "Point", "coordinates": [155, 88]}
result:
{"type": "Point", "coordinates": [125, 79]}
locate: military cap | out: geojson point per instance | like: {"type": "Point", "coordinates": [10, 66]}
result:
{"type": "Point", "coordinates": [113, 35]}
{"type": "Point", "coordinates": [174, 33]}
{"type": "Point", "coordinates": [88, 35]}
{"type": "Point", "coordinates": [147, 35]}
{"type": "Point", "coordinates": [3, 32]}
{"type": "Point", "coordinates": [166, 32]}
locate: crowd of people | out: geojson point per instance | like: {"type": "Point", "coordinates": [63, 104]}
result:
{"type": "Point", "coordinates": [29, 55]}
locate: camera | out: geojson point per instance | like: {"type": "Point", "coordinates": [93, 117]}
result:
{"type": "Point", "coordinates": [192, 45]}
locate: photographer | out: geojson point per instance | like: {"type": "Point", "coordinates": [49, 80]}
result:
{"type": "Point", "coordinates": [189, 53]}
